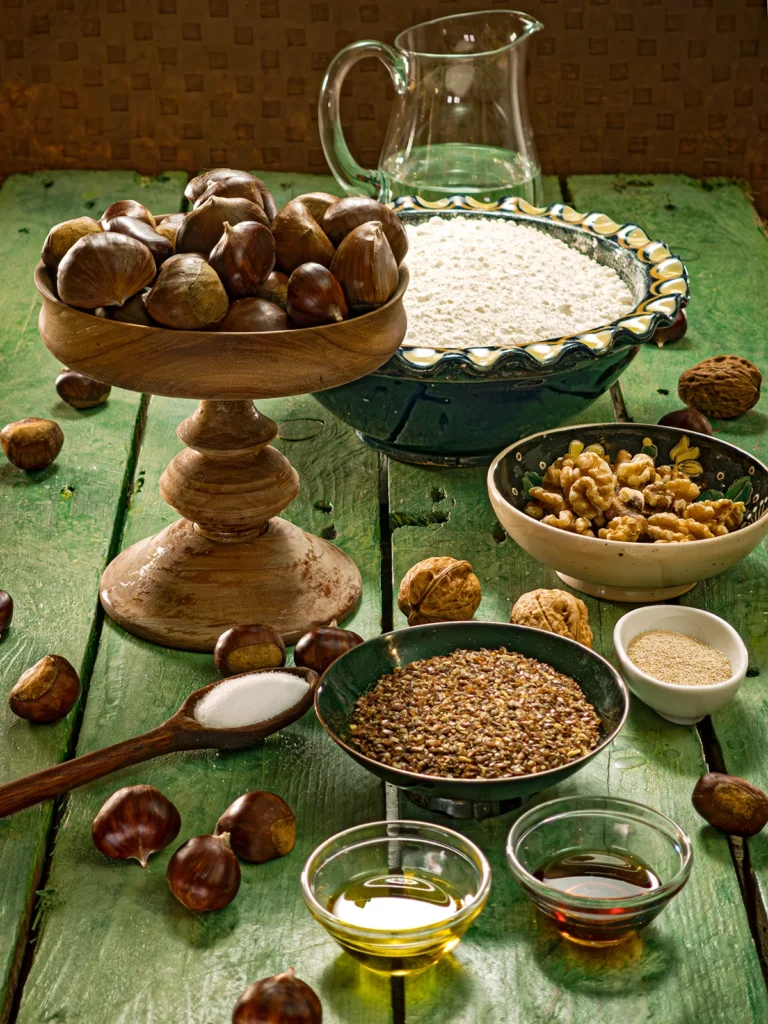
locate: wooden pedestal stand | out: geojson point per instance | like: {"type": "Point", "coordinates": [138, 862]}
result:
{"type": "Point", "coordinates": [230, 560]}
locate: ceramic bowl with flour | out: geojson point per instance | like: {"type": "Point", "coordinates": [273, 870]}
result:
{"type": "Point", "coordinates": [519, 318]}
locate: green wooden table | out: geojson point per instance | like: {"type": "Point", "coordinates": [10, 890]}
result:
{"type": "Point", "coordinates": [84, 940]}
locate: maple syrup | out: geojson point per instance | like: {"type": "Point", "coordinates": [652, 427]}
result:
{"type": "Point", "coordinates": [597, 875]}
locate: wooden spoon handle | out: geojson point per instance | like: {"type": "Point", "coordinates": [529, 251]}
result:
{"type": "Point", "coordinates": [33, 789]}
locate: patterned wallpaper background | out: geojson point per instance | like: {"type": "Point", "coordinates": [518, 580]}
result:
{"type": "Point", "coordinates": [630, 86]}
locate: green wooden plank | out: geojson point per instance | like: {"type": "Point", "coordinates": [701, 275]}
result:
{"type": "Point", "coordinates": [158, 962]}
{"type": "Point", "coordinates": [509, 969]}
{"type": "Point", "coordinates": [714, 228]}
{"type": "Point", "coordinates": [57, 524]}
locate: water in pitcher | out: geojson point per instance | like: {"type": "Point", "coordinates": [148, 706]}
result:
{"type": "Point", "coordinates": [486, 173]}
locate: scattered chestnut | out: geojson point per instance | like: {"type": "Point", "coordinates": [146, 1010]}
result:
{"type": "Point", "coordinates": [136, 821]}
{"type": "Point", "coordinates": [322, 646]}
{"type": "Point", "coordinates": [47, 691]}
{"type": "Point", "coordinates": [687, 419]}
{"type": "Point", "coordinates": [204, 873]}
{"type": "Point", "coordinates": [126, 208]}
{"type": "Point", "coordinates": [674, 332]}
{"type": "Point", "coordinates": [299, 238]}
{"type": "Point", "coordinates": [157, 243]}
{"type": "Point", "coordinates": [731, 804]}
{"type": "Point", "coordinates": [244, 648]}
{"type": "Point", "coordinates": [104, 270]}
{"type": "Point", "coordinates": [32, 443]}
{"type": "Point", "coordinates": [79, 391]}
{"type": "Point", "coordinates": [275, 289]}
{"type": "Point", "coordinates": [350, 212]}
{"type": "Point", "coordinates": [63, 236]}
{"type": "Point", "coordinates": [243, 258]}
{"type": "Point", "coordinates": [365, 267]}
{"type": "Point", "coordinates": [314, 297]}
{"type": "Point", "coordinates": [282, 999]}
{"type": "Point", "coordinates": [261, 826]}
{"type": "Point", "coordinates": [6, 610]}
{"type": "Point", "coordinates": [254, 316]}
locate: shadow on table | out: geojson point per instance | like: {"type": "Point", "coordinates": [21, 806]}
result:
{"type": "Point", "coordinates": [344, 983]}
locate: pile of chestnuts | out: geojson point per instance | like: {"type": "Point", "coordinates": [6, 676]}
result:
{"type": "Point", "coordinates": [233, 262]}
{"type": "Point", "coordinates": [204, 873]}
{"type": "Point", "coordinates": [254, 646]}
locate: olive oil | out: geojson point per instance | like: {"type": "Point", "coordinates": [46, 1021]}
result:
{"type": "Point", "coordinates": [597, 875]}
{"type": "Point", "coordinates": [397, 904]}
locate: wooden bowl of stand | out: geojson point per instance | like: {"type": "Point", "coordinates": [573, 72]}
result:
{"type": "Point", "coordinates": [219, 364]}
{"type": "Point", "coordinates": [230, 560]}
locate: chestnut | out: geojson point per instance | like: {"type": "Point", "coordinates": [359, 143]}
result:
{"type": "Point", "coordinates": [322, 646]}
{"type": "Point", "coordinates": [47, 691]}
{"type": "Point", "coordinates": [6, 611]}
{"type": "Point", "coordinates": [281, 999]}
{"type": "Point", "coordinates": [261, 826]}
{"type": "Point", "coordinates": [731, 804]}
{"type": "Point", "coordinates": [674, 332]}
{"type": "Point", "coordinates": [204, 873]}
{"type": "Point", "coordinates": [244, 648]}
{"type": "Point", "coordinates": [79, 391]}
{"type": "Point", "coordinates": [136, 821]}
{"type": "Point", "coordinates": [687, 419]}
{"type": "Point", "coordinates": [126, 208]}
{"type": "Point", "coordinates": [32, 443]}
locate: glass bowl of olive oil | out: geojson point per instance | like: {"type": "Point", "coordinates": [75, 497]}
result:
{"type": "Point", "coordinates": [599, 867]}
{"type": "Point", "coordinates": [396, 895]}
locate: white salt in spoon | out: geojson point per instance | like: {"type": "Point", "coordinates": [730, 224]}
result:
{"type": "Point", "coordinates": [258, 703]}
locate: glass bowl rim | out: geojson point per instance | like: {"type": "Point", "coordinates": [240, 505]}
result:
{"type": "Point", "coordinates": [408, 935]}
{"type": "Point", "coordinates": [573, 806]}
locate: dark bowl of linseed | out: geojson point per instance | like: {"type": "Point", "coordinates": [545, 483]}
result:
{"type": "Point", "coordinates": [471, 718]}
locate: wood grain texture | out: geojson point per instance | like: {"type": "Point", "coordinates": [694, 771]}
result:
{"type": "Point", "coordinates": [716, 232]}
{"type": "Point", "coordinates": [57, 524]}
{"type": "Point", "coordinates": [157, 963]}
{"type": "Point", "coordinates": [220, 364]}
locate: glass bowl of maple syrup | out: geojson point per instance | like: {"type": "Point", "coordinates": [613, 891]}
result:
{"type": "Point", "coordinates": [599, 867]}
{"type": "Point", "coordinates": [396, 895]}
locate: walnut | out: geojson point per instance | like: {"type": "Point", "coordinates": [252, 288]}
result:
{"type": "Point", "coordinates": [666, 527]}
{"type": "Point", "coordinates": [592, 492]}
{"type": "Point", "coordinates": [674, 492]}
{"type": "Point", "coordinates": [552, 475]}
{"type": "Point", "coordinates": [552, 500]}
{"type": "Point", "coordinates": [638, 471]}
{"type": "Point", "coordinates": [566, 520]}
{"type": "Point", "coordinates": [556, 612]}
{"type": "Point", "coordinates": [439, 589]}
{"type": "Point", "coordinates": [627, 502]}
{"type": "Point", "coordinates": [721, 387]}
{"type": "Point", "coordinates": [533, 510]}
{"type": "Point", "coordinates": [624, 528]}
{"type": "Point", "coordinates": [722, 512]}
{"type": "Point", "coordinates": [622, 456]}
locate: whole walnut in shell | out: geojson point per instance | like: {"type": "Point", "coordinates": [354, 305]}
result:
{"type": "Point", "coordinates": [722, 387]}
{"type": "Point", "coordinates": [439, 589]}
{"type": "Point", "coordinates": [555, 611]}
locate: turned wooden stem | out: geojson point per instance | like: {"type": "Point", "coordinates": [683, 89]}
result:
{"type": "Point", "coordinates": [229, 481]}
{"type": "Point", "coordinates": [50, 782]}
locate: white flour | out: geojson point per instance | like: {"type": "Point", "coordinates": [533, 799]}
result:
{"type": "Point", "coordinates": [495, 283]}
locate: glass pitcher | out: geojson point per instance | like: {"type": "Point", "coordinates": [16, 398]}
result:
{"type": "Point", "coordinates": [459, 124]}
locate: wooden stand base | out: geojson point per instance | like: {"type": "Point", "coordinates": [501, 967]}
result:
{"type": "Point", "coordinates": [229, 561]}
{"type": "Point", "coordinates": [182, 590]}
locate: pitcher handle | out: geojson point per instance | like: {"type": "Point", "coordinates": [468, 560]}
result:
{"type": "Point", "coordinates": [353, 178]}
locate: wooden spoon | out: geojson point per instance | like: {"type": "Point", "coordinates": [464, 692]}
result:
{"type": "Point", "coordinates": [181, 731]}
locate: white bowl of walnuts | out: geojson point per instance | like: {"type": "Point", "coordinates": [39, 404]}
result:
{"type": "Point", "coordinates": [630, 512]}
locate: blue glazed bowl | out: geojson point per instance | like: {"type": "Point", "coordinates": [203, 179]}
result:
{"type": "Point", "coordinates": [357, 671]}
{"type": "Point", "coordinates": [459, 408]}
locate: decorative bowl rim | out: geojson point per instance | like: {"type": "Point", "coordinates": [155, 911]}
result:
{"type": "Point", "coordinates": [667, 293]}
{"type": "Point", "coordinates": [419, 778]}
{"type": "Point", "coordinates": [663, 551]}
